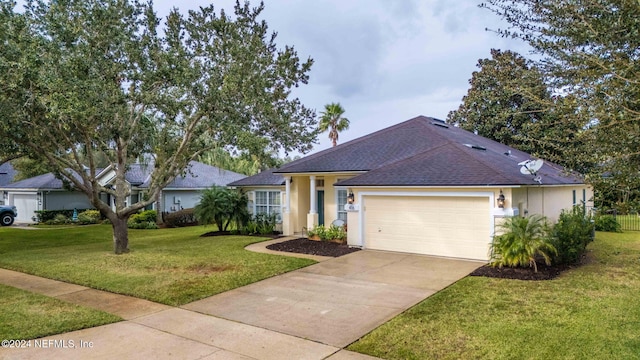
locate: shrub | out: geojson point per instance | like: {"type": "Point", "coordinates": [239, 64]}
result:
{"type": "Point", "coordinates": [331, 233]}
{"type": "Point", "coordinates": [335, 233]}
{"type": "Point", "coordinates": [184, 217]}
{"type": "Point", "coordinates": [318, 231]}
{"type": "Point", "coordinates": [607, 223]}
{"type": "Point", "coordinates": [47, 215]}
{"type": "Point", "coordinates": [571, 235]}
{"type": "Point", "coordinates": [524, 239]}
{"type": "Point", "coordinates": [149, 225]}
{"type": "Point", "coordinates": [59, 219]}
{"type": "Point", "coordinates": [143, 220]}
{"type": "Point", "coordinates": [222, 206]}
{"type": "Point", "coordinates": [89, 217]}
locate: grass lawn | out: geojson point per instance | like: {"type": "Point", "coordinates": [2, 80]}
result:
{"type": "Point", "coordinates": [592, 312]}
{"type": "Point", "coordinates": [26, 315]}
{"type": "Point", "coordinates": [170, 266]}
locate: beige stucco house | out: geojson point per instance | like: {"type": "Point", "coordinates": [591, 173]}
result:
{"type": "Point", "coordinates": [421, 186]}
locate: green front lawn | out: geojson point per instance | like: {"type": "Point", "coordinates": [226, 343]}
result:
{"type": "Point", "coordinates": [592, 312]}
{"type": "Point", "coordinates": [26, 315]}
{"type": "Point", "coordinates": [170, 266]}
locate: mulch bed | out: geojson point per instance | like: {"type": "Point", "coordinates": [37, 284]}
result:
{"type": "Point", "coordinates": [312, 247]}
{"type": "Point", "coordinates": [544, 272]}
{"type": "Point", "coordinates": [325, 248]}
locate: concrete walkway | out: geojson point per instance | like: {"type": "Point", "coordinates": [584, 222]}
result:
{"type": "Point", "coordinates": [311, 313]}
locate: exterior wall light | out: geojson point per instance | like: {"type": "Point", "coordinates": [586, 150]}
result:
{"type": "Point", "coordinates": [500, 200]}
{"type": "Point", "coordinates": [351, 198]}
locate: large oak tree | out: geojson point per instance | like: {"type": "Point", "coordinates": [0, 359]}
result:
{"type": "Point", "coordinates": [510, 102]}
{"type": "Point", "coordinates": [85, 77]}
{"type": "Point", "coordinates": [589, 50]}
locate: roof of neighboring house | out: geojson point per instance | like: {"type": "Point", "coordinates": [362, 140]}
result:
{"type": "Point", "coordinates": [7, 172]}
{"type": "Point", "coordinates": [424, 151]}
{"type": "Point", "coordinates": [201, 176]}
{"type": "Point", "coordinates": [264, 178]}
{"type": "Point", "coordinates": [198, 176]}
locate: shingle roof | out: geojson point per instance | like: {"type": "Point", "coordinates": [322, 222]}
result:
{"type": "Point", "coordinates": [426, 152]}
{"type": "Point", "coordinates": [7, 172]}
{"type": "Point", "coordinates": [264, 178]}
{"type": "Point", "coordinates": [202, 176]}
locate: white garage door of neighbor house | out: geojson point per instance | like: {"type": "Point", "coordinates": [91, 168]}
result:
{"type": "Point", "coordinates": [26, 204]}
{"type": "Point", "coordinates": [442, 226]}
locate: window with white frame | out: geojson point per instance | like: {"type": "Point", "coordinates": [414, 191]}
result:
{"type": "Point", "coordinates": [342, 201]}
{"type": "Point", "coordinates": [268, 202]}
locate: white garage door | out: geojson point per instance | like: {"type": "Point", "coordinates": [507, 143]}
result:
{"type": "Point", "coordinates": [442, 226]}
{"type": "Point", "coordinates": [26, 204]}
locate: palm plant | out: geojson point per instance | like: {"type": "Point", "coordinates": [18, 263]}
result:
{"type": "Point", "coordinates": [222, 206]}
{"type": "Point", "coordinates": [524, 239]}
{"type": "Point", "coordinates": [333, 121]}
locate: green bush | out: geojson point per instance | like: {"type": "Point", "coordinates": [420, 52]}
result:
{"type": "Point", "coordinates": [607, 223]}
{"type": "Point", "coordinates": [143, 220]}
{"type": "Point", "coordinates": [524, 240]}
{"type": "Point", "coordinates": [331, 233]}
{"type": "Point", "coordinates": [46, 215]}
{"type": "Point", "coordinates": [335, 233]}
{"type": "Point", "coordinates": [59, 219]}
{"type": "Point", "coordinates": [571, 235]}
{"type": "Point", "coordinates": [89, 217]}
{"type": "Point", "coordinates": [149, 225]}
{"type": "Point", "coordinates": [182, 218]}
{"type": "Point", "coordinates": [221, 206]}
{"type": "Point", "coordinates": [262, 224]}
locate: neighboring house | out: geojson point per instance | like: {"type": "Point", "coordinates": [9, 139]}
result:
{"type": "Point", "coordinates": [184, 191]}
{"type": "Point", "coordinates": [46, 192]}
{"type": "Point", "coordinates": [265, 192]}
{"type": "Point", "coordinates": [422, 186]}
{"type": "Point", "coordinates": [7, 173]}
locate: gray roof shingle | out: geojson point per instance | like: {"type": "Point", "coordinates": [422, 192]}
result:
{"type": "Point", "coordinates": [264, 178]}
{"type": "Point", "coordinates": [199, 176]}
{"type": "Point", "coordinates": [426, 152]}
{"type": "Point", "coordinates": [202, 176]}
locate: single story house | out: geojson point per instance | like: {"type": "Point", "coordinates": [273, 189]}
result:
{"type": "Point", "coordinates": [46, 192]}
{"type": "Point", "coordinates": [265, 192]}
{"type": "Point", "coordinates": [422, 186]}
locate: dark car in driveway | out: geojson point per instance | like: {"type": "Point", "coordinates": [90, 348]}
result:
{"type": "Point", "coordinates": [7, 214]}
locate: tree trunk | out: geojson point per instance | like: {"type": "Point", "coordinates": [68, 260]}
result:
{"type": "Point", "coordinates": [120, 236]}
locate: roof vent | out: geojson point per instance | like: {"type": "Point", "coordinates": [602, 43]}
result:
{"type": "Point", "coordinates": [477, 147]}
{"type": "Point", "coordinates": [443, 125]}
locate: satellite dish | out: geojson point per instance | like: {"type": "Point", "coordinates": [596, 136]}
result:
{"type": "Point", "coordinates": [538, 179]}
{"type": "Point", "coordinates": [530, 167]}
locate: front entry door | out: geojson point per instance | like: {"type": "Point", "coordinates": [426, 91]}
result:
{"type": "Point", "coordinates": [320, 207]}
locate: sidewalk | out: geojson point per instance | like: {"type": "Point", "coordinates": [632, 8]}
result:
{"type": "Point", "coordinates": [158, 331]}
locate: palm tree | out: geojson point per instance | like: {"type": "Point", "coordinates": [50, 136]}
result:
{"type": "Point", "coordinates": [525, 238]}
{"type": "Point", "coordinates": [333, 121]}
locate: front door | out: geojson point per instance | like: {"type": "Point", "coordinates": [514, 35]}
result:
{"type": "Point", "coordinates": [320, 207]}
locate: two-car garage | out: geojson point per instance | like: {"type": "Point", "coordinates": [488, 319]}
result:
{"type": "Point", "coordinates": [451, 225]}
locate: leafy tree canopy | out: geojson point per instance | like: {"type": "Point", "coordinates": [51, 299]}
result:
{"type": "Point", "coordinates": [509, 102]}
{"type": "Point", "coordinates": [589, 50]}
{"type": "Point", "coordinates": [86, 77]}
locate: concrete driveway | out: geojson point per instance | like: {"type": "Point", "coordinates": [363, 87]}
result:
{"type": "Point", "coordinates": [337, 301]}
{"type": "Point", "coordinates": [311, 313]}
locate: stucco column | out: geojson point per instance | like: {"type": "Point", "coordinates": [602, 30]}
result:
{"type": "Point", "coordinates": [287, 221]}
{"type": "Point", "coordinates": [287, 195]}
{"type": "Point", "coordinates": [312, 216]}
{"type": "Point", "coordinates": [313, 196]}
